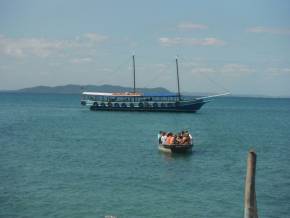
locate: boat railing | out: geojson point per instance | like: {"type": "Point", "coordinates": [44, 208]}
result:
{"type": "Point", "coordinates": [137, 104]}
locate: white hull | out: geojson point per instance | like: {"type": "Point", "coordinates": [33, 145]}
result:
{"type": "Point", "coordinates": [166, 150]}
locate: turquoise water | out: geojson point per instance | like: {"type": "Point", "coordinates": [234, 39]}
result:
{"type": "Point", "coordinates": [59, 159]}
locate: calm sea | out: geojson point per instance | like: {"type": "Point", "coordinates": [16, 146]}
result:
{"type": "Point", "coordinates": [58, 159]}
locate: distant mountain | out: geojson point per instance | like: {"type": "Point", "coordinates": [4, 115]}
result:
{"type": "Point", "coordinates": [76, 89]}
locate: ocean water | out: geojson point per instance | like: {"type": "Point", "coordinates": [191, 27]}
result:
{"type": "Point", "coordinates": [58, 159]}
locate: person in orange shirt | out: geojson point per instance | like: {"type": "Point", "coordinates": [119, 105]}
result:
{"type": "Point", "coordinates": [172, 140]}
{"type": "Point", "coordinates": [169, 138]}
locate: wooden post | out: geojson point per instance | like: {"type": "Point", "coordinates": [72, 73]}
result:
{"type": "Point", "coordinates": [250, 192]}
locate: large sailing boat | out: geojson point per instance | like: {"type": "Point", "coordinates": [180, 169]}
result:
{"type": "Point", "coordinates": [135, 101]}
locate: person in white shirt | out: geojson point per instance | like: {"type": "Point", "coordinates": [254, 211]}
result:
{"type": "Point", "coordinates": [190, 136]}
{"type": "Point", "coordinates": [191, 141]}
{"type": "Point", "coordinates": [163, 138]}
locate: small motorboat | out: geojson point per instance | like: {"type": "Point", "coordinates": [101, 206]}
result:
{"type": "Point", "coordinates": [178, 146]}
{"type": "Point", "coordinates": [175, 148]}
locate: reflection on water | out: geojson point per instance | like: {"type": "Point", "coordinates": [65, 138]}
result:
{"type": "Point", "coordinates": [176, 156]}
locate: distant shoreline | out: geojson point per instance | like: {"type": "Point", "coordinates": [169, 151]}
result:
{"type": "Point", "coordinates": [230, 96]}
{"type": "Point", "coordinates": [78, 89]}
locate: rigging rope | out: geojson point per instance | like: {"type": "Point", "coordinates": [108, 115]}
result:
{"type": "Point", "coordinates": [116, 71]}
{"type": "Point", "coordinates": [209, 79]}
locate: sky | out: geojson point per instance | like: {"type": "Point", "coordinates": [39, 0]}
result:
{"type": "Point", "coordinates": [238, 46]}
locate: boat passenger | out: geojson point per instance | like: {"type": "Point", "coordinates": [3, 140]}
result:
{"type": "Point", "coordinates": [178, 138]}
{"type": "Point", "coordinates": [163, 138]}
{"type": "Point", "coordinates": [190, 137]}
{"type": "Point", "coordinates": [159, 136]}
{"type": "Point", "coordinates": [169, 138]}
{"type": "Point", "coordinates": [185, 139]}
{"type": "Point", "coordinates": [173, 139]}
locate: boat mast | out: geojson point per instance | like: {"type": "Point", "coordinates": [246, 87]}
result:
{"type": "Point", "coordinates": [177, 79]}
{"type": "Point", "coordinates": [134, 73]}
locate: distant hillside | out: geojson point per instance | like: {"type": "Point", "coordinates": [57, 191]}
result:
{"type": "Point", "coordinates": [76, 89]}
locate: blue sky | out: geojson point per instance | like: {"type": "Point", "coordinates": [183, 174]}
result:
{"type": "Point", "coordinates": [237, 46]}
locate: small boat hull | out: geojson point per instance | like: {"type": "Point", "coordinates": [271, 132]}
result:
{"type": "Point", "coordinates": [175, 148]}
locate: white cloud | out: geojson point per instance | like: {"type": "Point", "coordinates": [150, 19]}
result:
{"type": "Point", "coordinates": [261, 29]}
{"type": "Point", "coordinates": [165, 41]}
{"type": "Point", "coordinates": [196, 70]}
{"type": "Point", "coordinates": [95, 37]}
{"type": "Point", "coordinates": [212, 41]}
{"type": "Point", "coordinates": [224, 70]}
{"type": "Point", "coordinates": [279, 71]}
{"type": "Point", "coordinates": [236, 69]}
{"type": "Point", "coordinates": [29, 46]}
{"type": "Point", "coordinates": [81, 60]}
{"type": "Point", "coordinates": [39, 47]}
{"type": "Point", "coordinates": [191, 26]}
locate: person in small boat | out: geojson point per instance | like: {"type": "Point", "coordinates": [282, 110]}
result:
{"type": "Point", "coordinates": [175, 139]}
{"type": "Point", "coordinates": [178, 139]}
{"type": "Point", "coordinates": [190, 137]}
{"type": "Point", "coordinates": [185, 139]}
{"type": "Point", "coordinates": [159, 136]}
{"type": "Point", "coordinates": [170, 139]}
{"type": "Point", "coordinates": [163, 138]}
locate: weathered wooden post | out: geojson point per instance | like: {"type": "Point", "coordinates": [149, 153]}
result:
{"type": "Point", "coordinates": [250, 191]}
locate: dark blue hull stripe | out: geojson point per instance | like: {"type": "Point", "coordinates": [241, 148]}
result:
{"type": "Point", "coordinates": [187, 108]}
